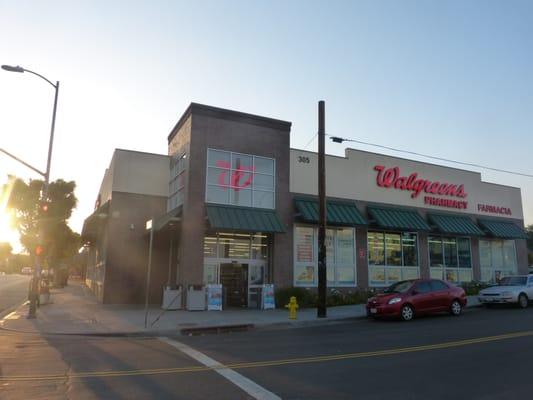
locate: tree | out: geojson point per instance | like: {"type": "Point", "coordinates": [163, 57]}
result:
{"type": "Point", "coordinates": [33, 216]}
{"type": "Point", "coordinates": [5, 254]}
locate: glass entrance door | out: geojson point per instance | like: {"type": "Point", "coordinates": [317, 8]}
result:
{"type": "Point", "coordinates": [255, 282]}
{"type": "Point", "coordinates": [234, 280]}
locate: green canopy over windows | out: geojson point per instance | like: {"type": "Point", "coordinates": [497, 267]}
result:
{"type": "Point", "coordinates": [398, 218]}
{"type": "Point", "coordinates": [337, 212]}
{"type": "Point", "coordinates": [455, 224]}
{"type": "Point", "coordinates": [246, 219]}
{"type": "Point", "coordinates": [503, 229]}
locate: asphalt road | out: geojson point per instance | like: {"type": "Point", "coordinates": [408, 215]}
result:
{"type": "Point", "coordinates": [13, 291]}
{"type": "Point", "coordinates": [484, 354]}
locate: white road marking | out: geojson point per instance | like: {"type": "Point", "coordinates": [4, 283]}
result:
{"type": "Point", "coordinates": [249, 386]}
{"type": "Point", "coordinates": [12, 314]}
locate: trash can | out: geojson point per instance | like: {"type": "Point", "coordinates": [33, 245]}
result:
{"type": "Point", "coordinates": [172, 298]}
{"type": "Point", "coordinates": [196, 298]}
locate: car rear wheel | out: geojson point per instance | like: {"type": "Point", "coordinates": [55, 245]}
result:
{"type": "Point", "coordinates": [407, 313]}
{"type": "Point", "coordinates": [523, 301]}
{"type": "Point", "coordinates": [456, 308]}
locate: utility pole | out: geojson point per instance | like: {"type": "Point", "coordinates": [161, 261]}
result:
{"type": "Point", "coordinates": [322, 275]}
{"type": "Point", "coordinates": [34, 289]}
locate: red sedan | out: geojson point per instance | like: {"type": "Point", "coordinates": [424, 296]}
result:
{"type": "Point", "coordinates": [406, 299]}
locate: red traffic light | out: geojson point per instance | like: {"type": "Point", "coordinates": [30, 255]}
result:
{"type": "Point", "coordinates": [39, 250]}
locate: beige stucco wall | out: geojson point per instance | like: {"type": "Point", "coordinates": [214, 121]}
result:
{"type": "Point", "coordinates": [106, 187]}
{"type": "Point", "coordinates": [354, 177]}
{"type": "Point", "coordinates": [140, 173]}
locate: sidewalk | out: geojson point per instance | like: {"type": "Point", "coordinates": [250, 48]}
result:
{"type": "Point", "coordinates": [74, 310]}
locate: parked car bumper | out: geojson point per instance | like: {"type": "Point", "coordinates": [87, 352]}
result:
{"type": "Point", "coordinates": [497, 299]}
{"type": "Point", "coordinates": [383, 310]}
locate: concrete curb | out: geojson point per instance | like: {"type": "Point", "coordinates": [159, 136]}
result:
{"type": "Point", "coordinates": [11, 309]}
{"type": "Point", "coordinates": [207, 329]}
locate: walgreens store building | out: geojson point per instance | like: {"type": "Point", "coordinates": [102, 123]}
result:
{"type": "Point", "coordinates": [392, 219]}
{"type": "Point", "coordinates": [232, 203]}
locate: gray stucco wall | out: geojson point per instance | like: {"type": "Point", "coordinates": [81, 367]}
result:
{"type": "Point", "coordinates": [127, 256]}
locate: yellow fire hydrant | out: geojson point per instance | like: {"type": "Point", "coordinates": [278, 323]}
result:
{"type": "Point", "coordinates": [292, 306]}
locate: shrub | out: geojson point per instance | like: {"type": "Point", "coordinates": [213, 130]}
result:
{"type": "Point", "coordinates": [335, 297]}
{"type": "Point", "coordinates": [473, 288]}
{"type": "Point", "coordinates": [342, 298]}
{"type": "Point", "coordinates": [304, 297]}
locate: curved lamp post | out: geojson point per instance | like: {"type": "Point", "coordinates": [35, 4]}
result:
{"type": "Point", "coordinates": [46, 175]}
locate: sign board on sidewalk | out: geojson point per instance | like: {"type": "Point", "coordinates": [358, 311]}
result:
{"type": "Point", "coordinates": [267, 297]}
{"type": "Point", "coordinates": [214, 297]}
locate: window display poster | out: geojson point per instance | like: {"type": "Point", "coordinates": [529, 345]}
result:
{"type": "Point", "coordinates": [268, 300]}
{"type": "Point", "coordinates": [304, 245]}
{"type": "Point", "coordinates": [305, 274]}
{"type": "Point", "coordinates": [214, 297]}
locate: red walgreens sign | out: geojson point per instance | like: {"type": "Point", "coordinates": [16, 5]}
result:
{"type": "Point", "coordinates": [391, 178]}
{"type": "Point", "coordinates": [239, 178]}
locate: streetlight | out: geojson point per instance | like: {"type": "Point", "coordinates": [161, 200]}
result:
{"type": "Point", "coordinates": [46, 175]}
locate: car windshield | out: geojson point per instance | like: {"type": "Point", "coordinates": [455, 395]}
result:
{"type": "Point", "coordinates": [513, 281]}
{"type": "Point", "coordinates": [399, 287]}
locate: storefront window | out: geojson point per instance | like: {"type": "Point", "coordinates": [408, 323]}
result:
{"type": "Point", "coordinates": [259, 247]}
{"type": "Point", "coordinates": [234, 246]}
{"type": "Point", "coordinates": [304, 266]}
{"type": "Point", "coordinates": [377, 276]}
{"type": "Point", "coordinates": [249, 249]}
{"type": "Point", "coordinates": [330, 255]}
{"type": "Point", "coordinates": [463, 251]}
{"type": "Point", "coordinates": [497, 259]}
{"type": "Point", "coordinates": [241, 197]}
{"type": "Point", "coordinates": [345, 246]}
{"type": "Point", "coordinates": [340, 256]}
{"type": "Point", "coordinates": [450, 259]}
{"type": "Point", "coordinates": [436, 255]}
{"type": "Point", "coordinates": [410, 253]}
{"type": "Point", "coordinates": [392, 257]}
{"type": "Point", "coordinates": [304, 238]}
{"type": "Point", "coordinates": [240, 179]}
{"type": "Point", "coordinates": [210, 246]}
{"type": "Point", "coordinates": [376, 248]}
{"type": "Point", "coordinates": [393, 249]}
{"type": "Point", "coordinates": [176, 183]}
{"type": "Point", "coordinates": [210, 274]}
{"type": "Point", "coordinates": [257, 274]}
{"type": "Point", "coordinates": [216, 194]}
{"type": "Point", "coordinates": [450, 252]}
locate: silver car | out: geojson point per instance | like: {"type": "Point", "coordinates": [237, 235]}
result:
{"type": "Point", "coordinates": [517, 289]}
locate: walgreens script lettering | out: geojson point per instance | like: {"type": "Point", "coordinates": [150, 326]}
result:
{"type": "Point", "coordinates": [391, 178]}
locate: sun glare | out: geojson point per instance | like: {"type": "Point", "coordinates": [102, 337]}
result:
{"type": "Point", "coordinates": [7, 233]}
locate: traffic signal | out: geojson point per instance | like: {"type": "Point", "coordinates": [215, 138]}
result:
{"type": "Point", "coordinates": [39, 250]}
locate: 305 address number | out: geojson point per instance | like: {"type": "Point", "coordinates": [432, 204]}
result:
{"type": "Point", "coordinates": [302, 159]}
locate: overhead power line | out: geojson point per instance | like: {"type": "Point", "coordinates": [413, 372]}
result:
{"type": "Point", "coordinates": [337, 139]}
{"type": "Point", "coordinates": [311, 141]}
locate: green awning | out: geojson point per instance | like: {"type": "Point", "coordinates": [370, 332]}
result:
{"type": "Point", "coordinates": [243, 219]}
{"type": "Point", "coordinates": [398, 218]}
{"type": "Point", "coordinates": [94, 223]}
{"type": "Point", "coordinates": [455, 224]}
{"type": "Point", "coordinates": [168, 220]}
{"type": "Point", "coordinates": [503, 229]}
{"type": "Point", "coordinates": [337, 212]}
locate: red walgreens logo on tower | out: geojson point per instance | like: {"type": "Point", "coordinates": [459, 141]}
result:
{"type": "Point", "coordinates": [239, 178]}
{"type": "Point", "coordinates": [391, 178]}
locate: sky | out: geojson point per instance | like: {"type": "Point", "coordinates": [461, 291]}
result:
{"type": "Point", "coordinates": [452, 79]}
